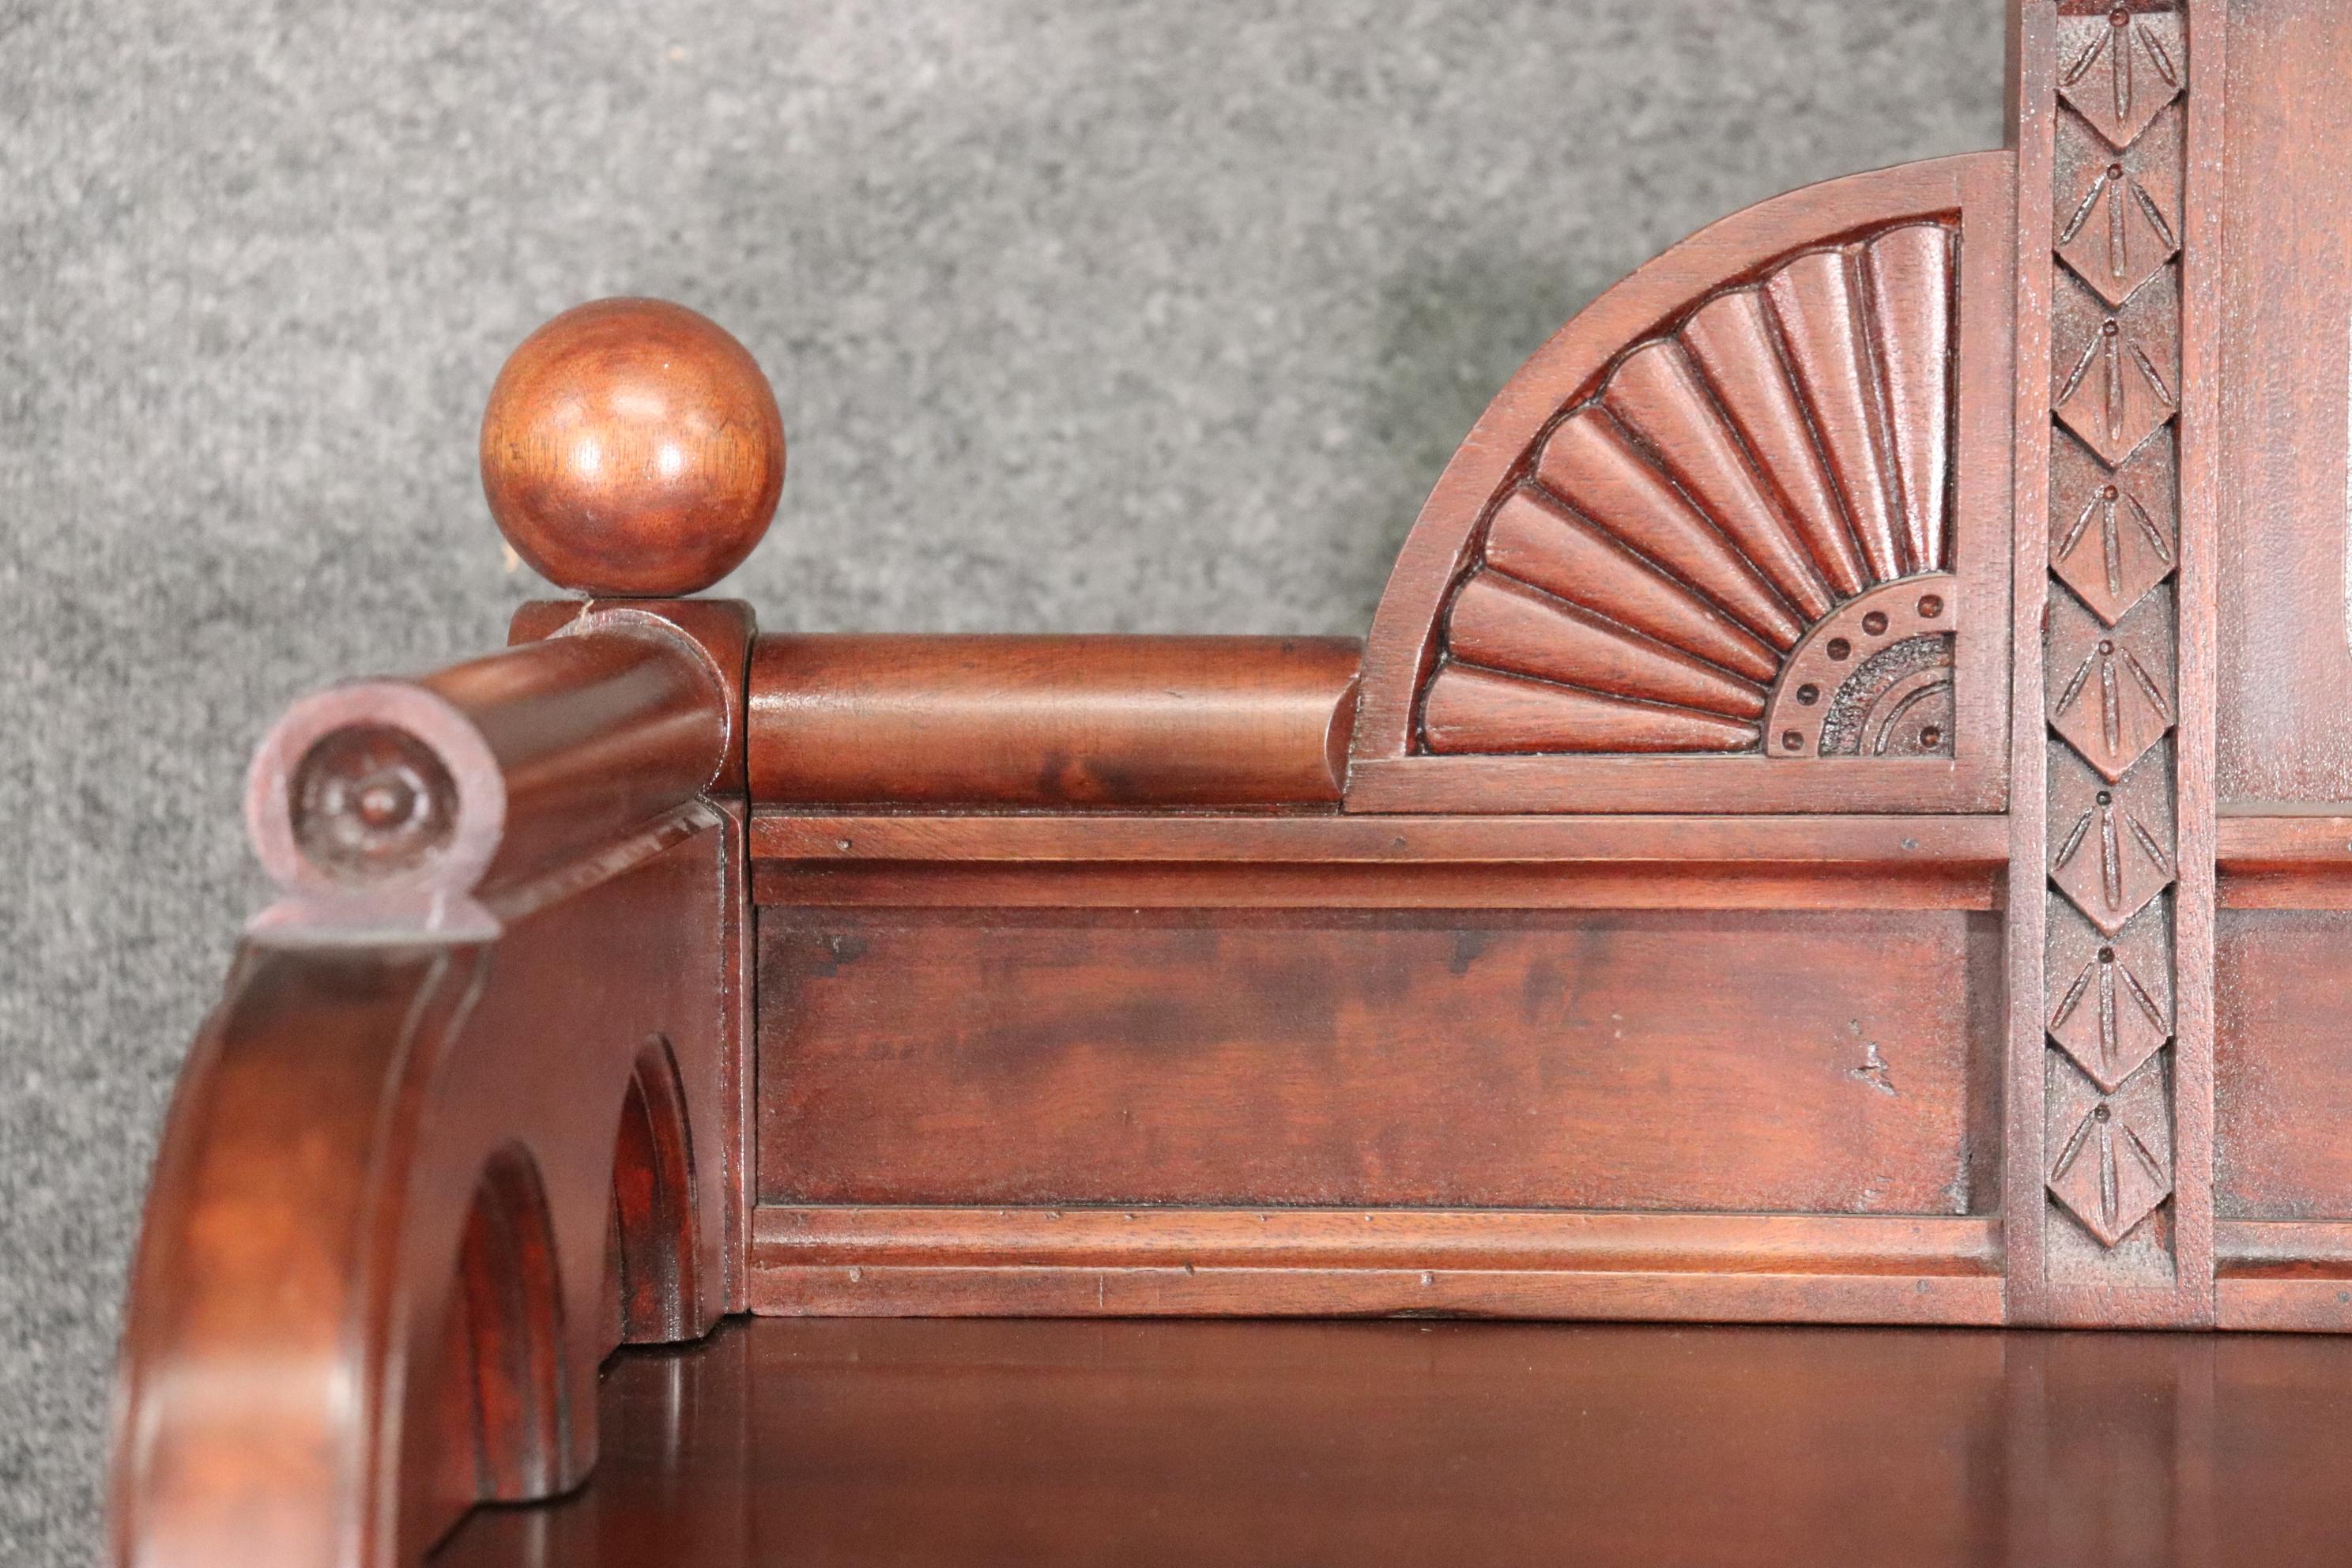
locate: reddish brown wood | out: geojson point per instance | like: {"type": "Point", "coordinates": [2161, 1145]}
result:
{"type": "Point", "coordinates": [2299, 861]}
{"type": "Point", "coordinates": [932, 1261]}
{"type": "Point", "coordinates": [1759, 424]}
{"type": "Point", "coordinates": [1125, 861]}
{"type": "Point", "coordinates": [722, 629]}
{"type": "Point", "coordinates": [1075, 720]}
{"type": "Point", "coordinates": [1438, 1059]}
{"type": "Point", "coordinates": [1843, 823]}
{"type": "Point", "coordinates": [1837, 845]}
{"type": "Point", "coordinates": [394, 1167]}
{"type": "Point", "coordinates": [632, 446]}
{"type": "Point", "coordinates": [2117, 1054]}
{"type": "Point", "coordinates": [433, 805]}
{"type": "Point", "coordinates": [969, 1443]}
{"type": "Point", "coordinates": [2282, 1084]}
{"type": "Point", "coordinates": [2284, 210]}
{"type": "Point", "coordinates": [1501, 625]}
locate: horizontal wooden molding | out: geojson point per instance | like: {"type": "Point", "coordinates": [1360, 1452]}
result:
{"type": "Point", "coordinates": [1289, 1262]}
{"type": "Point", "coordinates": [1378, 1238]}
{"type": "Point", "coordinates": [778, 835]}
{"type": "Point", "coordinates": [2284, 859]}
{"type": "Point", "coordinates": [2316, 1248]}
{"type": "Point", "coordinates": [1402, 862]}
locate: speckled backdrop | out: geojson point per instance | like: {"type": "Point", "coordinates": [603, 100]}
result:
{"type": "Point", "coordinates": [1083, 315]}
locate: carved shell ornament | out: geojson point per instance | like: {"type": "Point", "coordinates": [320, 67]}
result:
{"type": "Point", "coordinates": [1738, 542]}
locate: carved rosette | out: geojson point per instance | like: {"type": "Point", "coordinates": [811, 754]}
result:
{"type": "Point", "coordinates": [1739, 540]}
{"type": "Point", "coordinates": [2112, 636]}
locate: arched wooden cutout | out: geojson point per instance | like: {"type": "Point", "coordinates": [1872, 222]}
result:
{"type": "Point", "coordinates": [1798, 404]}
{"type": "Point", "coordinates": [368, 1285]}
{"type": "Point", "coordinates": [652, 1233]}
{"type": "Point", "coordinates": [510, 1298]}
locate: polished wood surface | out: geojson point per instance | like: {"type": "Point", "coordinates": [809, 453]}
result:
{"type": "Point", "coordinates": [2109, 1133]}
{"type": "Point", "coordinates": [432, 806]}
{"type": "Point", "coordinates": [632, 448]}
{"type": "Point", "coordinates": [1686, 473]}
{"type": "Point", "coordinates": [978, 1443]}
{"type": "Point", "coordinates": [934, 1261]}
{"type": "Point", "coordinates": [1411, 1061]}
{"type": "Point", "coordinates": [400, 1184]}
{"type": "Point", "coordinates": [1708, 495]}
{"type": "Point", "coordinates": [2286, 407]}
{"type": "Point", "coordinates": [1051, 721]}
{"type": "Point", "coordinates": [1839, 818]}
{"type": "Point", "coordinates": [1122, 860]}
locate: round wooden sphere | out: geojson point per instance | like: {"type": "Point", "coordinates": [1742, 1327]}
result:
{"type": "Point", "coordinates": [632, 448]}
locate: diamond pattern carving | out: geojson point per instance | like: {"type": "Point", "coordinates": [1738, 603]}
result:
{"type": "Point", "coordinates": [2118, 68]}
{"type": "Point", "coordinates": [2114, 842]}
{"type": "Point", "coordinates": [2115, 700]}
{"type": "Point", "coordinates": [2114, 534]}
{"type": "Point", "coordinates": [2118, 218]}
{"type": "Point", "coordinates": [2114, 1006]}
{"type": "Point", "coordinates": [2118, 369]}
{"type": "Point", "coordinates": [2111, 1161]}
{"type": "Point", "coordinates": [2110, 629]}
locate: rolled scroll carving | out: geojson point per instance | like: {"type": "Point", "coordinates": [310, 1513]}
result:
{"type": "Point", "coordinates": [1676, 563]}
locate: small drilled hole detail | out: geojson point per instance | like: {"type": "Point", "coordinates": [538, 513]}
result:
{"type": "Point", "coordinates": [1874, 622]}
{"type": "Point", "coordinates": [1791, 741]}
{"type": "Point", "coordinates": [1839, 650]}
{"type": "Point", "coordinates": [1931, 606]}
{"type": "Point", "coordinates": [1809, 694]}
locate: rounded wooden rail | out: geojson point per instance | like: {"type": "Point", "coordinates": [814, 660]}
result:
{"type": "Point", "coordinates": [1051, 721]}
{"type": "Point", "coordinates": [407, 804]}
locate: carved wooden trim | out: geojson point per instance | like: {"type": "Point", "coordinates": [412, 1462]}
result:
{"type": "Point", "coordinates": [1729, 485]}
{"type": "Point", "coordinates": [1797, 407]}
{"type": "Point", "coordinates": [2109, 1196]}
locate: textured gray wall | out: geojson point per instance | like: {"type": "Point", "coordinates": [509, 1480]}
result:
{"type": "Point", "coordinates": [1084, 316]}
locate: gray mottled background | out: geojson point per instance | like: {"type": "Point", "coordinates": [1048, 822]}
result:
{"type": "Point", "coordinates": [1156, 314]}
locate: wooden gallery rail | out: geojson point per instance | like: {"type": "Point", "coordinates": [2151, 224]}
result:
{"type": "Point", "coordinates": [1844, 813]}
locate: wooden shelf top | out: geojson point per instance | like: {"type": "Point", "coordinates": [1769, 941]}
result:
{"type": "Point", "coordinates": [957, 1442]}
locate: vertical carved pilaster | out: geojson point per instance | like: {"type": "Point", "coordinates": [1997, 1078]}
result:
{"type": "Point", "coordinates": [2110, 652]}
{"type": "Point", "coordinates": [2115, 612]}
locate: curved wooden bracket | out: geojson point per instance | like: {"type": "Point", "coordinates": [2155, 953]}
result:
{"type": "Point", "coordinates": [421, 1177]}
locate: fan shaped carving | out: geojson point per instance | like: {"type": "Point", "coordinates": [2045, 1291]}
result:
{"type": "Point", "coordinates": [1673, 546]}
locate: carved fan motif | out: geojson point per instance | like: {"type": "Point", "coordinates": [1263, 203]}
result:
{"type": "Point", "coordinates": [1673, 543]}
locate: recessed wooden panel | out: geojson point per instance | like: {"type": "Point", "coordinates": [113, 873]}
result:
{"type": "Point", "coordinates": [1634, 1059]}
{"type": "Point", "coordinates": [2286, 553]}
{"type": "Point", "coordinates": [2282, 1064]}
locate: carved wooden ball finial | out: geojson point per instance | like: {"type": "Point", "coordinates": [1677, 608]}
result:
{"type": "Point", "coordinates": [632, 448]}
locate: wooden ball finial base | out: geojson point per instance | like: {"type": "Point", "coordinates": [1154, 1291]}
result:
{"type": "Point", "coordinates": [632, 448]}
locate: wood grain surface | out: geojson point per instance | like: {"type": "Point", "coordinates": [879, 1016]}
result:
{"type": "Point", "coordinates": [971, 1443]}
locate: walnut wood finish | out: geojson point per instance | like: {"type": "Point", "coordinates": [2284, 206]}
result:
{"type": "Point", "coordinates": [1843, 820]}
